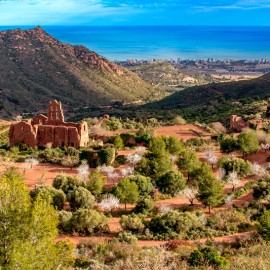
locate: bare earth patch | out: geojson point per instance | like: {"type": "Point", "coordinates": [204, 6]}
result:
{"type": "Point", "coordinates": [183, 132]}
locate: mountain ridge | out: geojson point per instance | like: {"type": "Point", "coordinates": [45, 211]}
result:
{"type": "Point", "coordinates": [35, 67]}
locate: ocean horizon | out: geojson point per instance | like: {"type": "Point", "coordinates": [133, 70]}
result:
{"type": "Point", "coordinates": [167, 42]}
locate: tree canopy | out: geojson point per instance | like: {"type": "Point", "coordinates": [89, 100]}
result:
{"type": "Point", "coordinates": [28, 229]}
{"type": "Point", "coordinates": [127, 191]}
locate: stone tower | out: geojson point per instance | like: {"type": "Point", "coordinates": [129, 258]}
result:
{"type": "Point", "coordinates": [55, 113]}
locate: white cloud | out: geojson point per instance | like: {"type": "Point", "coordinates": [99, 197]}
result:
{"type": "Point", "coordinates": [52, 12]}
{"type": "Point", "coordinates": [236, 5]}
{"type": "Point", "coordinates": [30, 12]}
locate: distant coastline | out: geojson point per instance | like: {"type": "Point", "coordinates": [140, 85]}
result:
{"type": "Point", "coordinates": [167, 42]}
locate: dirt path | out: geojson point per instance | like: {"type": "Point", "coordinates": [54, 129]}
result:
{"type": "Point", "coordinates": [150, 243]}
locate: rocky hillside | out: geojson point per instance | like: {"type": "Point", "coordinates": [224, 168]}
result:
{"type": "Point", "coordinates": [35, 67]}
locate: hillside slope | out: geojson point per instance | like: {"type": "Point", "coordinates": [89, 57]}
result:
{"type": "Point", "coordinates": [199, 96]}
{"type": "Point", "coordinates": [166, 74]}
{"type": "Point", "coordinates": [216, 102]}
{"type": "Point", "coordinates": [35, 68]}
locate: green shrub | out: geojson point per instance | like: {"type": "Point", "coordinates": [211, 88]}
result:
{"type": "Point", "coordinates": [112, 123]}
{"type": "Point", "coordinates": [248, 143]}
{"type": "Point", "coordinates": [207, 256]}
{"type": "Point", "coordinates": [127, 237]}
{"type": "Point", "coordinates": [143, 136]}
{"type": "Point", "coordinates": [144, 184]}
{"type": "Point", "coordinates": [157, 146]}
{"type": "Point", "coordinates": [229, 145]}
{"type": "Point", "coordinates": [227, 221]}
{"type": "Point", "coordinates": [132, 223]}
{"type": "Point", "coordinates": [173, 224]}
{"type": "Point", "coordinates": [71, 151]}
{"type": "Point", "coordinates": [67, 183]}
{"type": "Point", "coordinates": [262, 189]}
{"type": "Point", "coordinates": [230, 164]}
{"type": "Point", "coordinates": [120, 160]}
{"type": "Point", "coordinates": [118, 142]}
{"type": "Point", "coordinates": [70, 161]}
{"type": "Point", "coordinates": [154, 166]}
{"type": "Point", "coordinates": [58, 196]}
{"type": "Point", "coordinates": [144, 206]}
{"type": "Point", "coordinates": [127, 138]}
{"type": "Point", "coordinates": [95, 183]}
{"type": "Point", "coordinates": [106, 156]}
{"type": "Point", "coordinates": [3, 152]}
{"type": "Point", "coordinates": [195, 142]}
{"type": "Point", "coordinates": [178, 120]}
{"type": "Point", "coordinates": [173, 145]}
{"type": "Point", "coordinates": [82, 262]}
{"type": "Point", "coordinates": [92, 157]}
{"type": "Point", "coordinates": [51, 155]}
{"type": "Point", "coordinates": [171, 183]}
{"type": "Point", "coordinates": [80, 197]}
{"type": "Point", "coordinates": [127, 192]}
{"type": "Point", "coordinates": [65, 218]}
{"type": "Point", "coordinates": [85, 221]}
{"type": "Point", "coordinates": [264, 226]}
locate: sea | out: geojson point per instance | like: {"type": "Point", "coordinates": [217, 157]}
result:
{"type": "Point", "coordinates": [167, 42]}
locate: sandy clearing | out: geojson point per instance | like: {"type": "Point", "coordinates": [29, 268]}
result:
{"type": "Point", "coordinates": [182, 132]}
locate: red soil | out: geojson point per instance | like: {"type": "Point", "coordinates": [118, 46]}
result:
{"type": "Point", "coordinates": [259, 157]}
{"type": "Point", "coordinates": [183, 132]}
{"type": "Point", "coordinates": [150, 243]}
{"type": "Point", "coordinates": [48, 172]}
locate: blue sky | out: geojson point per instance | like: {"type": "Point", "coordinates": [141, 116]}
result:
{"type": "Point", "coordinates": [134, 12]}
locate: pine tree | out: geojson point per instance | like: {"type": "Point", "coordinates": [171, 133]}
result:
{"type": "Point", "coordinates": [118, 142]}
{"type": "Point", "coordinates": [187, 162]}
{"type": "Point", "coordinates": [28, 230]}
{"type": "Point", "coordinates": [248, 143]}
{"type": "Point", "coordinates": [210, 192]}
{"type": "Point", "coordinates": [127, 192]}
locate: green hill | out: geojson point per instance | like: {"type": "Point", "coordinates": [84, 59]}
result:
{"type": "Point", "coordinates": [215, 101]}
{"type": "Point", "coordinates": [36, 68]}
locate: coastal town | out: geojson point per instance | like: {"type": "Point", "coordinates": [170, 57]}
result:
{"type": "Point", "coordinates": [217, 68]}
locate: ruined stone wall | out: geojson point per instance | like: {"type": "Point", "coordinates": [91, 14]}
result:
{"type": "Point", "coordinates": [45, 135]}
{"type": "Point", "coordinates": [58, 136]}
{"type": "Point", "coordinates": [22, 133]}
{"type": "Point", "coordinates": [52, 130]}
{"type": "Point", "coordinates": [40, 120]}
{"type": "Point", "coordinates": [237, 123]}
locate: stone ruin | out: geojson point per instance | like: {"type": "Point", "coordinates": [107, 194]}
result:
{"type": "Point", "coordinates": [51, 130]}
{"type": "Point", "coordinates": [237, 123]}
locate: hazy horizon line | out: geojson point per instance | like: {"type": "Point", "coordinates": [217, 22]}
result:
{"type": "Point", "coordinates": [175, 25]}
